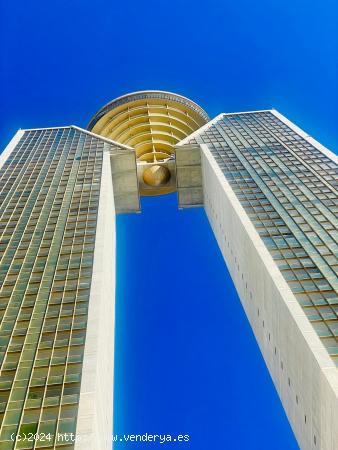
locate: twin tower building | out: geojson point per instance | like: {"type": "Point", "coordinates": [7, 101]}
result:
{"type": "Point", "coordinates": [270, 193]}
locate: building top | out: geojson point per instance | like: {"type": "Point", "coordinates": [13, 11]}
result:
{"type": "Point", "coordinates": [152, 123]}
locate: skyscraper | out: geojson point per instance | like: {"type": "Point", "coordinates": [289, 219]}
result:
{"type": "Point", "coordinates": [270, 193]}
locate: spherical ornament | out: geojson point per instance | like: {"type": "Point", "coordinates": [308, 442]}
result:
{"type": "Point", "coordinates": [156, 175]}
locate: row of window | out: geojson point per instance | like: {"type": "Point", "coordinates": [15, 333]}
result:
{"type": "Point", "coordinates": [50, 191]}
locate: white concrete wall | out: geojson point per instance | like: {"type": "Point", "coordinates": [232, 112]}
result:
{"type": "Point", "coordinates": [10, 147]}
{"type": "Point", "coordinates": [304, 374]}
{"type": "Point", "coordinates": [95, 414]}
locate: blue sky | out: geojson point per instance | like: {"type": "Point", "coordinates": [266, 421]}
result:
{"type": "Point", "coordinates": [186, 359]}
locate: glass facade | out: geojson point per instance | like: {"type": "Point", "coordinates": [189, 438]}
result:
{"type": "Point", "coordinates": [49, 192]}
{"type": "Point", "coordinates": [288, 188]}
